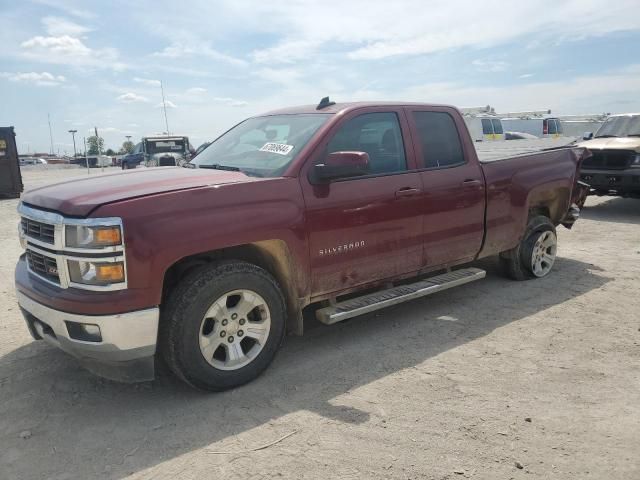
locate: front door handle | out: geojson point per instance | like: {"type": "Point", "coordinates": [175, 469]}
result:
{"type": "Point", "coordinates": [407, 192]}
{"type": "Point", "coordinates": [470, 182]}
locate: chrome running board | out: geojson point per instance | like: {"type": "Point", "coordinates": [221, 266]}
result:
{"type": "Point", "coordinates": [392, 296]}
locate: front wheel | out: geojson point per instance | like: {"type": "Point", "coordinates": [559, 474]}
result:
{"type": "Point", "coordinates": [223, 325]}
{"type": "Point", "coordinates": [535, 255]}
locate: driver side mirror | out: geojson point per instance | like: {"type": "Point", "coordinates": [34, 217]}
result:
{"type": "Point", "coordinates": [587, 136]}
{"type": "Point", "coordinates": [342, 165]}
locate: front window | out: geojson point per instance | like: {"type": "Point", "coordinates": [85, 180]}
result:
{"type": "Point", "coordinates": [625, 126]}
{"type": "Point", "coordinates": [487, 127]}
{"type": "Point", "coordinates": [377, 134]}
{"type": "Point", "coordinates": [262, 146]}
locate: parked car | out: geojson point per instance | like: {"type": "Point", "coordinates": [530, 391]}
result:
{"type": "Point", "coordinates": [32, 161]}
{"type": "Point", "coordinates": [614, 167]}
{"type": "Point", "coordinates": [158, 151]}
{"type": "Point", "coordinates": [210, 265]}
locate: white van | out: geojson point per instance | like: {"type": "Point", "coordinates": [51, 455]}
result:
{"type": "Point", "coordinates": [578, 125]}
{"type": "Point", "coordinates": [482, 123]}
{"type": "Point", "coordinates": [540, 127]}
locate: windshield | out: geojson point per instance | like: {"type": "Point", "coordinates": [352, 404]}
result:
{"type": "Point", "coordinates": [164, 146]}
{"type": "Point", "coordinates": [625, 126]}
{"type": "Point", "coordinates": [262, 146]}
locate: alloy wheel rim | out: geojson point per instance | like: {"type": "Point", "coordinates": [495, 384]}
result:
{"type": "Point", "coordinates": [235, 329]}
{"type": "Point", "coordinates": [544, 253]}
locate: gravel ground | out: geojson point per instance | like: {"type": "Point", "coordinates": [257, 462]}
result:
{"type": "Point", "coordinates": [493, 380]}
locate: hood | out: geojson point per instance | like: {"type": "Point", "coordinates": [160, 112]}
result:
{"type": "Point", "coordinates": [613, 143]}
{"type": "Point", "coordinates": [80, 196]}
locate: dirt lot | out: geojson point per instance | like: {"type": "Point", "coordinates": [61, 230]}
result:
{"type": "Point", "coordinates": [494, 380]}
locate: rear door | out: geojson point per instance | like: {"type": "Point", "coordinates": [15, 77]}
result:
{"type": "Point", "coordinates": [368, 228]}
{"type": "Point", "coordinates": [453, 197]}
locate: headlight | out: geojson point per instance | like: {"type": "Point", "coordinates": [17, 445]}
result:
{"type": "Point", "coordinates": [81, 236]}
{"type": "Point", "coordinates": [95, 272]}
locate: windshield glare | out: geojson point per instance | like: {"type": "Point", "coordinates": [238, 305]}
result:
{"type": "Point", "coordinates": [620, 126]}
{"type": "Point", "coordinates": [262, 146]}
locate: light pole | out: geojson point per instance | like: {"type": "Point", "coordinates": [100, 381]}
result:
{"type": "Point", "coordinates": [128, 137]}
{"type": "Point", "coordinates": [73, 135]}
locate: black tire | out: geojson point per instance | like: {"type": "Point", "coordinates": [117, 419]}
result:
{"type": "Point", "coordinates": [125, 166]}
{"type": "Point", "coordinates": [516, 262]}
{"type": "Point", "coordinates": [182, 316]}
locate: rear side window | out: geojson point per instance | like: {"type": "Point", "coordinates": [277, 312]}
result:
{"type": "Point", "coordinates": [487, 128]}
{"type": "Point", "coordinates": [497, 126]}
{"type": "Point", "coordinates": [379, 135]}
{"type": "Point", "coordinates": [439, 138]}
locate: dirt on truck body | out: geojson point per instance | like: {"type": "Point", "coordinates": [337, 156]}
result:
{"type": "Point", "coordinates": [210, 265]}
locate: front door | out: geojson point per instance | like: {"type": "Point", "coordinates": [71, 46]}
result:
{"type": "Point", "coordinates": [367, 228]}
{"type": "Point", "coordinates": [453, 198]}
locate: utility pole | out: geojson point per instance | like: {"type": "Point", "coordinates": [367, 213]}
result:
{"type": "Point", "coordinates": [73, 134]}
{"type": "Point", "coordinates": [86, 159]}
{"type": "Point", "coordinates": [50, 134]}
{"type": "Point", "coordinates": [164, 106]}
{"type": "Point", "coordinates": [99, 149]}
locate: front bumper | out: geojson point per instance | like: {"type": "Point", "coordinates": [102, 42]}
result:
{"type": "Point", "coordinates": [127, 342]}
{"type": "Point", "coordinates": [613, 181]}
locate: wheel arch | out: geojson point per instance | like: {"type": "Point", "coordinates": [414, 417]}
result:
{"type": "Point", "coordinates": [549, 202]}
{"type": "Point", "coordinates": [271, 255]}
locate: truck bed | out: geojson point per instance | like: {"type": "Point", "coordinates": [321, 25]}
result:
{"type": "Point", "coordinates": [491, 151]}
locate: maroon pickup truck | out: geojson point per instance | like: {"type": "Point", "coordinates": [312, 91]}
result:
{"type": "Point", "coordinates": [209, 266]}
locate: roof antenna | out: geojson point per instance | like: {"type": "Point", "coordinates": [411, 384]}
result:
{"type": "Point", "coordinates": [324, 103]}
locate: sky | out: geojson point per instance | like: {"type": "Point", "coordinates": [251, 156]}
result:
{"type": "Point", "coordinates": [99, 64]}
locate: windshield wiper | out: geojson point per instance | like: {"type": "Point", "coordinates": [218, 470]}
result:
{"type": "Point", "coordinates": [606, 136]}
{"type": "Point", "coordinates": [217, 166]}
{"type": "Point", "coordinates": [634, 135]}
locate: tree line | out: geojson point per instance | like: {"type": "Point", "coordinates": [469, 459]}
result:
{"type": "Point", "coordinates": [95, 145]}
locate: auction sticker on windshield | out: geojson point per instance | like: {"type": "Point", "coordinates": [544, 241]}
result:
{"type": "Point", "coordinates": [279, 148]}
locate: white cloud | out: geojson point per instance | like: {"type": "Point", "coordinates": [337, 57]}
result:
{"type": "Point", "coordinates": [286, 52]}
{"type": "Point", "coordinates": [526, 75]}
{"type": "Point", "coordinates": [375, 30]}
{"type": "Point", "coordinates": [583, 94]}
{"type": "Point", "coordinates": [147, 81]}
{"type": "Point", "coordinates": [67, 8]}
{"type": "Point", "coordinates": [41, 79]}
{"type": "Point", "coordinates": [168, 103]}
{"type": "Point", "coordinates": [195, 91]}
{"type": "Point", "coordinates": [490, 65]}
{"type": "Point", "coordinates": [230, 102]}
{"type": "Point", "coordinates": [131, 97]}
{"type": "Point", "coordinates": [68, 50]}
{"type": "Point", "coordinates": [57, 26]}
{"type": "Point", "coordinates": [178, 50]}
{"type": "Point", "coordinates": [64, 45]}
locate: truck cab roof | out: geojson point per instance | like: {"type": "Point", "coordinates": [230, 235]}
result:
{"type": "Point", "coordinates": [345, 107]}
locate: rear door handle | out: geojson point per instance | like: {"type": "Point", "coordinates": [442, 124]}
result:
{"type": "Point", "coordinates": [407, 192]}
{"type": "Point", "coordinates": [470, 182]}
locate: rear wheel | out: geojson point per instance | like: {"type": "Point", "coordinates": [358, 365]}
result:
{"type": "Point", "coordinates": [125, 165]}
{"type": "Point", "coordinates": [223, 325]}
{"type": "Point", "coordinates": [535, 255]}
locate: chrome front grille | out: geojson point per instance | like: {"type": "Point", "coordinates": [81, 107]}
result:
{"type": "Point", "coordinates": [609, 159]}
{"type": "Point", "coordinates": [43, 265]}
{"type": "Point", "coordinates": [40, 231]}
